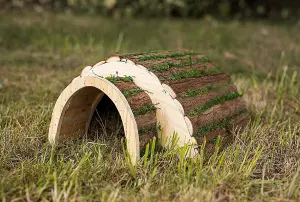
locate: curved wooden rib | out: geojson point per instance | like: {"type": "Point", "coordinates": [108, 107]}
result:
{"type": "Point", "coordinates": [75, 106]}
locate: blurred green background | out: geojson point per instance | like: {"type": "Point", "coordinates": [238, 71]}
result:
{"type": "Point", "coordinates": [44, 44]}
{"type": "Point", "coordinates": [273, 9]}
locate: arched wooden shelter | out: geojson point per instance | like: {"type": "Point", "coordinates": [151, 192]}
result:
{"type": "Point", "coordinates": [157, 94]}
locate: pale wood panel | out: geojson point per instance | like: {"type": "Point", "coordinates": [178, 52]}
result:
{"type": "Point", "coordinates": [75, 106]}
{"type": "Point", "coordinates": [73, 128]}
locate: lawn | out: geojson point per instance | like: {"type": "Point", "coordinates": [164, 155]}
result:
{"type": "Point", "coordinates": [41, 53]}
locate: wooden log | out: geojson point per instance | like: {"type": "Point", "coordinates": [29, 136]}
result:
{"type": "Point", "coordinates": [209, 99]}
{"type": "Point", "coordinates": [157, 94]}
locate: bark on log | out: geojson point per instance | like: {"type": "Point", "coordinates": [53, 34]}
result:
{"type": "Point", "coordinates": [197, 83]}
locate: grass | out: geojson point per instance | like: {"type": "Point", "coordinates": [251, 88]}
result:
{"type": "Point", "coordinates": [40, 54]}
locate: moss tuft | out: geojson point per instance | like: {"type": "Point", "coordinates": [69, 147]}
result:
{"type": "Point", "coordinates": [140, 53]}
{"type": "Point", "coordinates": [163, 67]}
{"type": "Point", "coordinates": [144, 109]}
{"type": "Point", "coordinates": [194, 74]}
{"type": "Point", "coordinates": [171, 55]}
{"type": "Point", "coordinates": [213, 126]}
{"type": "Point", "coordinates": [115, 79]}
{"type": "Point", "coordinates": [214, 140]}
{"type": "Point", "coordinates": [193, 92]}
{"type": "Point", "coordinates": [168, 65]}
{"type": "Point", "coordinates": [146, 130]}
{"type": "Point", "coordinates": [214, 101]}
{"type": "Point", "coordinates": [131, 92]}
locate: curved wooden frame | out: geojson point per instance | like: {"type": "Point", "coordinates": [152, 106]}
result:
{"type": "Point", "coordinates": [104, 87]}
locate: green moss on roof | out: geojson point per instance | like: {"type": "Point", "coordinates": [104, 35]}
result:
{"type": "Point", "coordinates": [144, 109]}
{"type": "Point", "coordinates": [131, 92]}
{"type": "Point", "coordinates": [139, 53]}
{"type": "Point", "coordinates": [213, 126]}
{"type": "Point", "coordinates": [194, 73]}
{"type": "Point", "coordinates": [115, 79]}
{"type": "Point", "coordinates": [168, 65]}
{"type": "Point", "coordinates": [146, 130]}
{"type": "Point", "coordinates": [213, 102]}
{"type": "Point", "coordinates": [193, 92]}
{"type": "Point", "coordinates": [170, 55]}
{"type": "Point", "coordinates": [214, 140]}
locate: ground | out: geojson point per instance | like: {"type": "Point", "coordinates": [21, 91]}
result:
{"type": "Point", "coordinates": [41, 53]}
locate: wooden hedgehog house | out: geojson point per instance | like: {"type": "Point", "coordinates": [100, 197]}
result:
{"type": "Point", "coordinates": [157, 94]}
